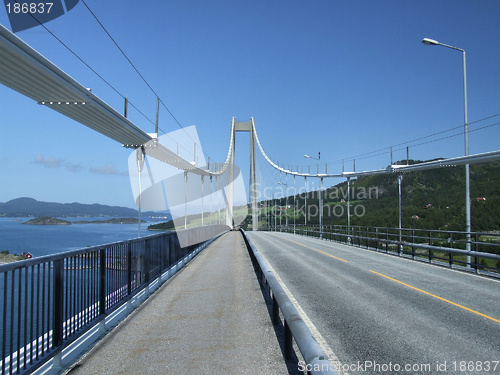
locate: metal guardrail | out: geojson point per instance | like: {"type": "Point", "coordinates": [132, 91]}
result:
{"type": "Point", "coordinates": [417, 244]}
{"type": "Point", "coordinates": [294, 327]}
{"type": "Point", "coordinates": [51, 301]}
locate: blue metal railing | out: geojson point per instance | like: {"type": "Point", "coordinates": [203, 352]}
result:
{"type": "Point", "coordinates": [49, 302]}
{"type": "Point", "coordinates": [434, 246]}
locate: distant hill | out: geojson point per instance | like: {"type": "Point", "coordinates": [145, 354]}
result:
{"type": "Point", "coordinates": [25, 207]}
{"type": "Point", "coordinates": [433, 199]}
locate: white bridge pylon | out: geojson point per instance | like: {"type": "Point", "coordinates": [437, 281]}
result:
{"type": "Point", "coordinates": [249, 126]}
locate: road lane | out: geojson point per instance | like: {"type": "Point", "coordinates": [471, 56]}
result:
{"type": "Point", "coordinates": [384, 309]}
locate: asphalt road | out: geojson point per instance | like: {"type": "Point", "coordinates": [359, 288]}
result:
{"type": "Point", "coordinates": [383, 314]}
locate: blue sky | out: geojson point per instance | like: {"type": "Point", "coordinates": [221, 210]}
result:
{"type": "Point", "coordinates": [341, 77]}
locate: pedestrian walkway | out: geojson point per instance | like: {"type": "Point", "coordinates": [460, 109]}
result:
{"type": "Point", "coordinates": [210, 318]}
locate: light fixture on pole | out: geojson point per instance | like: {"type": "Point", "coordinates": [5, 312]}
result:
{"type": "Point", "coordinates": [319, 194]}
{"type": "Point", "coordinates": [286, 204]}
{"type": "Point", "coordinates": [432, 42]}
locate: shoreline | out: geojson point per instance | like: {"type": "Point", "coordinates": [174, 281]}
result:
{"type": "Point", "coordinates": [10, 258]}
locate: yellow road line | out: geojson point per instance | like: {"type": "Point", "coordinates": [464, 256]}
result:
{"type": "Point", "coordinates": [301, 244]}
{"type": "Point", "coordinates": [440, 298]}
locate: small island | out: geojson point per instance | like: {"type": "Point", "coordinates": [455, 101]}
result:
{"type": "Point", "coordinates": [47, 220]}
{"type": "Point", "coordinates": [127, 220]}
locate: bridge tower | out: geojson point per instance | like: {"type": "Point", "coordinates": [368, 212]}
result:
{"type": "Point", "coordinates": [237, 126]}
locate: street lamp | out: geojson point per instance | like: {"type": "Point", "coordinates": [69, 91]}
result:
{"type": "Point", "coordinates": [319, 193]}
{"type": "Point", "coordinates": [432, 42]}
{"type": "Point", "coordinates": [286, 204]}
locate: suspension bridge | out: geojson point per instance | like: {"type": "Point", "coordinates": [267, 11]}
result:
{"type": "Point", "coordinates": [332, 299]}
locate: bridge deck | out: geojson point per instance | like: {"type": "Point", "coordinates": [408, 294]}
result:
{"type": "Point", "coordinates": [210, 318]}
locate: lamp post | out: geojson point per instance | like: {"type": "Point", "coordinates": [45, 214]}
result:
{"type": "Point", "coordinates": [431, 42]}
{"type": "Point", "coordinates": [275, 214]}
{"type": "Point", "coordinates": [319, 194]}
{"type": "Point", "coordinates": [305, 203]}
{"type": "Point", "coordinates": [286, 204]}
{"type": "Point", "coordinates": [294, 205]}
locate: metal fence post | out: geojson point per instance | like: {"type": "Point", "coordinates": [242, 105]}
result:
{"type": "Point", "coordinates": [171, 250]}
{"type": "Point", "coordinates": [450, 255]}
{"type": "Point", "coordinates": [413, 241]}
{"type": "Point", "coordinates": [400, 245]}
{"type": "Point", "coordinates": [129, 275]}
{"type": "Point", "coordinates": [288, 341]}
{"type": "Point", "coordinates": [129, 268]}
{"type": "Point", "coordinates": [166, 251]}
{"type": "Point", "coordinates": [102, 282]}
{"type": "Point", "coordinates": [147, 262]}
{"type": "Point", "coordinates": [387, 239]}
{"type": "Point", "coordinates": [430, 244]}
{"type": "Point", "coordinates": [57, 336]}
{"type": "Point", "coordinates": [367, 240]}
{"type": "Point", "coordinates": [476, 246]}
{"type": "Point", "coordinates": [276, 311]}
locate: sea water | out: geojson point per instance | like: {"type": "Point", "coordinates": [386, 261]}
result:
{"type": "Point", "coordinates": [39, 240]}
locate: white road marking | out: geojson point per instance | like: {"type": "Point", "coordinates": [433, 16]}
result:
{"type": "Point", "coordinates": [318, 337]}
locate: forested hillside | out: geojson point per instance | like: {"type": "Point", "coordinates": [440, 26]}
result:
{"type": "Point", "coordinates": [430, 199]}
